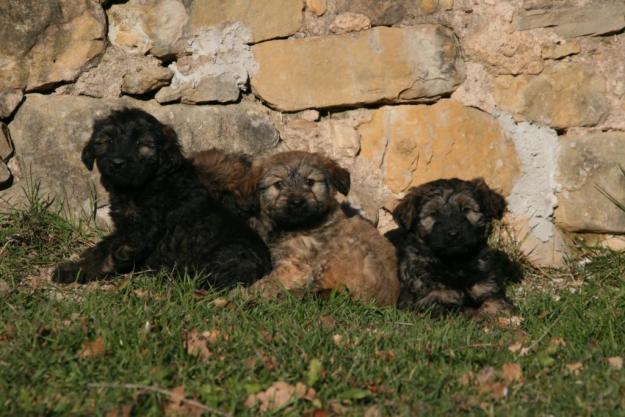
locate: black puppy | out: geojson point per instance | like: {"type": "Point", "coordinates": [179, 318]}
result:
{"type": "Point", "coordinates": [163, 216]}
{"type": "Point", "coordinates": [445, 262]}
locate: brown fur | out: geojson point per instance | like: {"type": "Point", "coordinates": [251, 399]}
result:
{"type": "Point", "coordinates": [314, 245]}
{"type": "Point", "coordinates": [222, 174]}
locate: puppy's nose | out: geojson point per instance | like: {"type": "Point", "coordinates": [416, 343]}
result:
{"type": "Point", "coordinates": [452, 233]}
{"type": "Point", "coordinates": [118, 162]}
{"type": "Point", "coordinates": [296, 202]}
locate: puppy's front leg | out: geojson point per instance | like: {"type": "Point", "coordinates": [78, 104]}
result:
{"type": "Point", "coordinates": [111, 255]}
{"type": "Point", "coordinates": [286, 277]}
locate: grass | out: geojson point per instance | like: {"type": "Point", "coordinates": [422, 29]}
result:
{"type": "Point", "coordinates": [126, 347]}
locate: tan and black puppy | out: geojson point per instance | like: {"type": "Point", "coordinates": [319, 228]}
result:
{"type": "Point", "coordinates": [222, 174]}
{"type": "Point", "coordinates": [445, 262]}
{"type": "Point", "coordinates": [314, 245]}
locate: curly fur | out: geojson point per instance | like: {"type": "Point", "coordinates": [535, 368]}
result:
{"type": "Point", "coordinates": [445, 262]}
{"type": "Point", "coordinates": [163, 217]}
{"type": "Point", "coordinates": [314, 245]}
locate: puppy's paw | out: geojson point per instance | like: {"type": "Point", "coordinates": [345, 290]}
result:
{"type": "Point", "coordinates": [68, 272]}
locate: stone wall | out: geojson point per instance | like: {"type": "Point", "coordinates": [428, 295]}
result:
{"type": "Point", "coordinates": [529, 94]}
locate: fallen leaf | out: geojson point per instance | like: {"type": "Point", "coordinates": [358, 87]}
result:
{"type": "Point", "coordinates": [220, 302]}
{"type": "Point", "coordinates": [314, 371]}
{"type": "Point", "coordinates": [212, 336]}
{"type": "Point", "coordinates": [337, 407]}
{"type": "Point", "coordinates": [511, 372]}
{"type": "Point", "coordinates": [92, 348]}
{"type": "Point", "coordinates": [485, 375]}
{"type": "Point", "coordinates": [337, 339]}
{"type": "Point", "coordinates": [320, 412]}
{"type": "Point", "coordinates": [575, 368]}
{"type": "Point", "coordinates": [327, 322]}
{"type": "Point", "coordinates": [387, 355]}
{"type": "Point", "coordinates": [466, 378]}
{"type": "Point", "coordinates": [196, 345]}
{"type": "Point", "coordinates": [176, 406]}
{"type": "Point", "coordinates": [121, 411]}
{"type": "Point", "coordinates": [250, 362]}
{"type": "Point", "coordinates": [513, 321]}
{"type": "Point", "coordinates": [497, 390]}
{"type": "Point", "coordinates": [268, 360]}
{"type": "Point", "coordinates": [615, 362]}
{"type": "Point", "coordinates": [515, 347]}
{"type": "Point", "coordinates": [557, 341]}
{"type": "Point", "coordinates": [355, 394]}
{"type": "Point", "coordinates": [278, 395]}
{"type": "Point", "coordinates": [373, 411]}
{"type": "Point", "coordinates": [267, 336]}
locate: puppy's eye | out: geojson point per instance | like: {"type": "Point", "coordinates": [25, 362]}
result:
{"type": "Point", "coordinates": [279, 185]}
{"type": "Point", "coordinates": [310, 183]}
{"type": "Point", "coordinates": [466, 209]}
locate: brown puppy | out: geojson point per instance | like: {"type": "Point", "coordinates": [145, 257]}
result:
{"type": "Point", "coordinates": [314, 245]}
{"type": "Point", "coordinates": [222, 175]}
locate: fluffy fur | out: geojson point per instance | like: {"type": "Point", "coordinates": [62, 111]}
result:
{"type": "Point", "coordinates": [444, 259]}
{"type": "Point", "coordinates": [314, 245]}
{"type": "Point", "coordinates": [222, 174]}
{"type": "Point", "coordinates": [163, 217]}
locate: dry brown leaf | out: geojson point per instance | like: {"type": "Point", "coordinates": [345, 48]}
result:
{"type": "Point", "coordinates": [511, 372]}
{"type": "Point", "coordinates": [387, 355]}
{"type": "Point", "coordinates": [176, 407]}
{"type": "Point", "coordinates": [250, 363]}
{"type": "Point", "coordinates": [485, 375]}
{"type": "Point", "coordinates": [320, 412]}
{"type": "Point", "coordinates": [496, 390]}
{"type": "Point", "coordinates": [337, 407]}
{"type": "Point", "coordinates": [373, 411]}
{"type": "Point", "coordinates": [267, 336]}
{"type": "Point", "coordinates": [220, 302]}
{"type": "Point", "coordinates": [466, 379]}
{"type": "Point", "coordinates": [278, 395]}
{"type": "Point", "coordinates": [337, 339]}
{"type": "Point", "coordinates": [515, 347]}
{"type": "Point", "coordinates": [212, 336]}
{"type": "Point", "coordinates": [557, 341]}
{"type": "Point", "coordinates": [121, 411]}
{"type": "Point", "coordinates": [327, 322]}
{"type": "Point", "coordinates": [268, 360]}
{"type": "Point", "coordinates": [575, 368]}
{"type": "Point", "coordinates": [196, 345]}
{"type": "Point", "coordinates": [92, 348]}
{"type": "Point", "coordinates": [512, 321]}
{"type": "Point", "coordinates": [615, 362]}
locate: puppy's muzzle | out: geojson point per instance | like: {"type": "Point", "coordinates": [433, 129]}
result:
{"type": "Point", "coordinates": [296, 202]}
{"type": "Point", "coordinates": [118, 163]}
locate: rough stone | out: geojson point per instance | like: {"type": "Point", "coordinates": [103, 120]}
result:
{"type": "Point", "coordinates": [392, 12]}
{"type": "Point", "coordinates": [9, 100]}
{"type": "Point", "coordinates": [6, 144]}
{"type": "Point", "coordinates": [318, 7]}
{"type": "Point", "coordinates": [532, 201]}
{"type": "Point", "coordinates": [381, 65]}
{"type": "Point", "coordinates": [216, 68]}
{"type": "Point", "coordinates": [47, 43]}
{"type": "Point", "coordinates": [117, 72]}
{"type": "Point", "coordinates": [587, 162]}
{"type": "Point", "coordinates": [563, 96]}
{"type": "Point", "coordinates": [350, 22]}
{"type": "Point", "coordinates": [142, 26]}
{"type": "Point", "coordinates": [219, 89]}
{"type": "Point", "coordinates": [561, 50]}
{"type": "Point", "coordinates": [416, 144]}
{"type": "Point", "coordinates": [145, 80]}
{"type": "Point", "coordinates": [50, 131]}
{"type": "Point", "coordinates": [5, 176]}
{"type": "Point", "coordinates": [266, 19]}
{"type": "Point", "coordinates": [597, 18]}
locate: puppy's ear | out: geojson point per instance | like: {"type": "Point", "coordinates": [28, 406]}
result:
{"type": "Point", "coordinates": [88, 156]}
{"type": "Point", "coordinates": [339, 177]}
{"type": "Point", "coordinates": [493, 203]}
{"type": "Point", "coordinates": [249, 184]}
{"type": "Point", "coordinates": [406, 214]}
{"type": "Point", "coordinates": [170, 152]}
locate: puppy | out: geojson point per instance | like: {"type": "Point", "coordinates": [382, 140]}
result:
{"type": "Point", "coordinates": [222, 175]}
{"type": "Point", "coordinates": [163, 217]}
{"type": "Point", "coordinates": [444, 259]}
{"type": "Point", "coordinates": [314, 245]}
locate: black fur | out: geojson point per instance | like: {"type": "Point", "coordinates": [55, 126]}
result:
{"type": "Point", "coordinates": [444, 258]}
{"type": "Point", "coordinates": [163, 216]}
